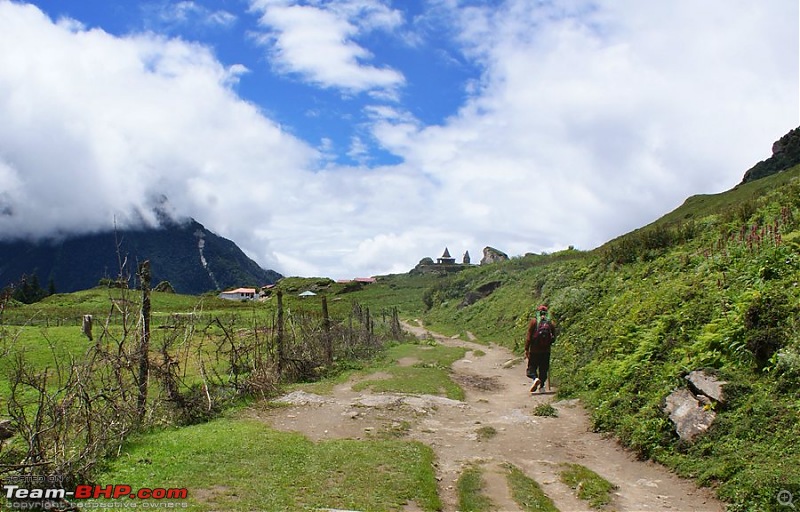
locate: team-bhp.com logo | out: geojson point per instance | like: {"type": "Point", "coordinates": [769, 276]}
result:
{"type": "Point", "coordinates": [23, 497]}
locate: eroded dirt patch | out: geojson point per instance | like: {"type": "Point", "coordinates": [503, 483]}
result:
{"type": "Point", "coordinates": [478, 382]}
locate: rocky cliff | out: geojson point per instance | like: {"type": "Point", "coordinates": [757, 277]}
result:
{"type": "Point", "coordinates": [785, 154]}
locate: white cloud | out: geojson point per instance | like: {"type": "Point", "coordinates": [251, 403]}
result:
{"type": "Point", "coordinates": [588, 120]}
{"type": "Point", "coordinates": [318, 41]}
{"type": "Point", "coordinates": [595, 118]}
{"type": "Point", "coordinates": [94, 127]}
{"type": "Point", "coordinates": [187, 12]}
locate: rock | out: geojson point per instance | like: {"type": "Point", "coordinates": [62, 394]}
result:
{"type": "Point", "coordinates": [707, 385]}
{"type": "Point", "coordinates": [302, 398]}
{"type": "Point", "coordinates": [690, 417]}
{"type": "Point", "coordinates": [785, 154]}
{"type": "Point", "coordinates": [492, 255]}
{"type": "Point", "coordinates": [6, 429]}
{"type": "Point", "coordinates": [479, 293]}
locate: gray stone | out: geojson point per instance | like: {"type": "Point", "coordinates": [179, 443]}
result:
{"type": "Point", "coordinates": [707, 385]}
{"type": "Point", "coordinates": [690, 417]}
{"type": "Point", "coordinates": [492, 255]}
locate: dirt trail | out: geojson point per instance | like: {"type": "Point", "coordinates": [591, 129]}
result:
{"type": "Point", "coordinates": [496, 396]}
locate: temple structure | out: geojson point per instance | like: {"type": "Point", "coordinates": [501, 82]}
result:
{"type": "Point", "coordinates": [446, 259]}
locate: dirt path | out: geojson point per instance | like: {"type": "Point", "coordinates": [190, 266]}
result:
{"type": "Point", "coordinates": [496, 396]}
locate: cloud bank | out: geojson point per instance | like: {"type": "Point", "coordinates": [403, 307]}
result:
{"type": "Point", "coordinates": [588, 119]}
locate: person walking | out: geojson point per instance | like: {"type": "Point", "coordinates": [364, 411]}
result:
{"type": "Point", "coordinates": [540, 337]}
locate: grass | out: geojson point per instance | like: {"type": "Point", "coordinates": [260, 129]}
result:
{"type": "Point", "coordinates": [429, 375]}
{"type": "Point", "coordinates": [527, 493]}
{"type": "Point", "coordinates": [470, 487]}
{"type": "Point", "coordinates": [485, 433]}
{"type": "Point", "coordinates": [395, 430]}
{"type": "Point", "coordinates": [546, 410]}
{"type": "Point", "coordinates": [589, 486]}
{"type": "Point", "coordinates": [232, 464]}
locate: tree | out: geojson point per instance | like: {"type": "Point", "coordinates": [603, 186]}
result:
{"type": "Point", "coordinates": [29, 291]}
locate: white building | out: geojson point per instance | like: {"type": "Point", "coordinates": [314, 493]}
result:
{"type": "Point", "coordinates": [239, 294]}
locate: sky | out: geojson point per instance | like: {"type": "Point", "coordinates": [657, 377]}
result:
{"type": "Point", "coordinates": [350, 138]}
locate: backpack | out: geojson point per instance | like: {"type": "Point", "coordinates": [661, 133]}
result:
{"type": "Point", "coordinates": [545, 333]}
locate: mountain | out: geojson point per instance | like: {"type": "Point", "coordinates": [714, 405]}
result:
{"type": "Point", "coordinates": [193, 259]}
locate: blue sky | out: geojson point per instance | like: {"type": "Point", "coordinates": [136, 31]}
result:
{"type": "Point", "coordinates": [348, 138]}
{"type": "Point", "coordinates": [404, 53]}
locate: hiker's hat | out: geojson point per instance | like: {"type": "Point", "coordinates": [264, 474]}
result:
{"type": "Point", "coordinates": [542, 308]}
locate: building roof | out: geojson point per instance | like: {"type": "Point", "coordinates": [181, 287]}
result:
{"type": "Point", "coordinates": [446, 253]}
{"type": "Point", "coordinates": [241, 290]}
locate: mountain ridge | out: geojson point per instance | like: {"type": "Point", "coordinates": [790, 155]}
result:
{"type": "Point", "coordinates": [192, 258]}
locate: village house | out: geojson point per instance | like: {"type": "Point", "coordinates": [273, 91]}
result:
{"type": "Point", "coordinates": [239, 294]}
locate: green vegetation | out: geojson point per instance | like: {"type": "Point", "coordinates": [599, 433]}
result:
{"type": "Point", "coordinates": [714, 286]}
{"type": "Point", "coordinates": [527, 493]}
{"type": "Point", "coordinates": [78, 395]}
{"type": "Point", "coordinates": [546, 410]}
{"type": "Point", "coordinates": [230, 464]}
{"type": "Point", "coordinates": [588, 485]}
{"type": "Point", "coordinates": [486, 432]}
{"type": "Point", "coordinates": [429, 373]}
{"type": "Point", "coordinates": [29, 290]}
{"type": "Point", "coordinates": [470, 491]}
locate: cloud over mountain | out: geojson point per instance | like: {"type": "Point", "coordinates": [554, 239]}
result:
{"type": "Point", "coordinates": [543, 124]}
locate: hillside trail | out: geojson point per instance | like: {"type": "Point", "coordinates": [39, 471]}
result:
{"type": "Point", "coordinates": [497, 396]}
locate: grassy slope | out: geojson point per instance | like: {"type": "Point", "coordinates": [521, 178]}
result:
{"type": "Point", "coordinates": [692, 295]}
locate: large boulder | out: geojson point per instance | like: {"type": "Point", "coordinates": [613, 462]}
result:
{"type": "Point", "coordinates": [690, 416]}
{"type": "Point", "coordinates": [492, 255]}
{"type": "Point", "coordinates": [692, 409]}
{"type": "Point", "coordinates": [707, 385]}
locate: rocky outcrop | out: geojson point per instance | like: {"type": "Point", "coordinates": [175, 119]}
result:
{"type": "Point", "coordinates": [427, 266]}
{"type": "Point", "coordinates": [492, 255]}
{"type": "Point", "coordinates": [692, 409]}
{"type": "Point", "coordinates": [482, 291]}
{"type": "Point", "coordinates": [785, 154]}
{"type": "Point", "coordinates": [425, 262]}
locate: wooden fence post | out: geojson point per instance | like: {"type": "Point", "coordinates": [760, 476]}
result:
{"type": "Point", "coordinates": [326, 332]}
{"type": "Point", "coordinates": [279, 335]}
{"type": "Point", "coordinates": [144, 343]}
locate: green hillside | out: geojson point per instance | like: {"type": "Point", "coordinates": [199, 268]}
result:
{"type": "Point", "coordinates": [710, 286]}
{"type": "Point", "coordinates": [713, 285]}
